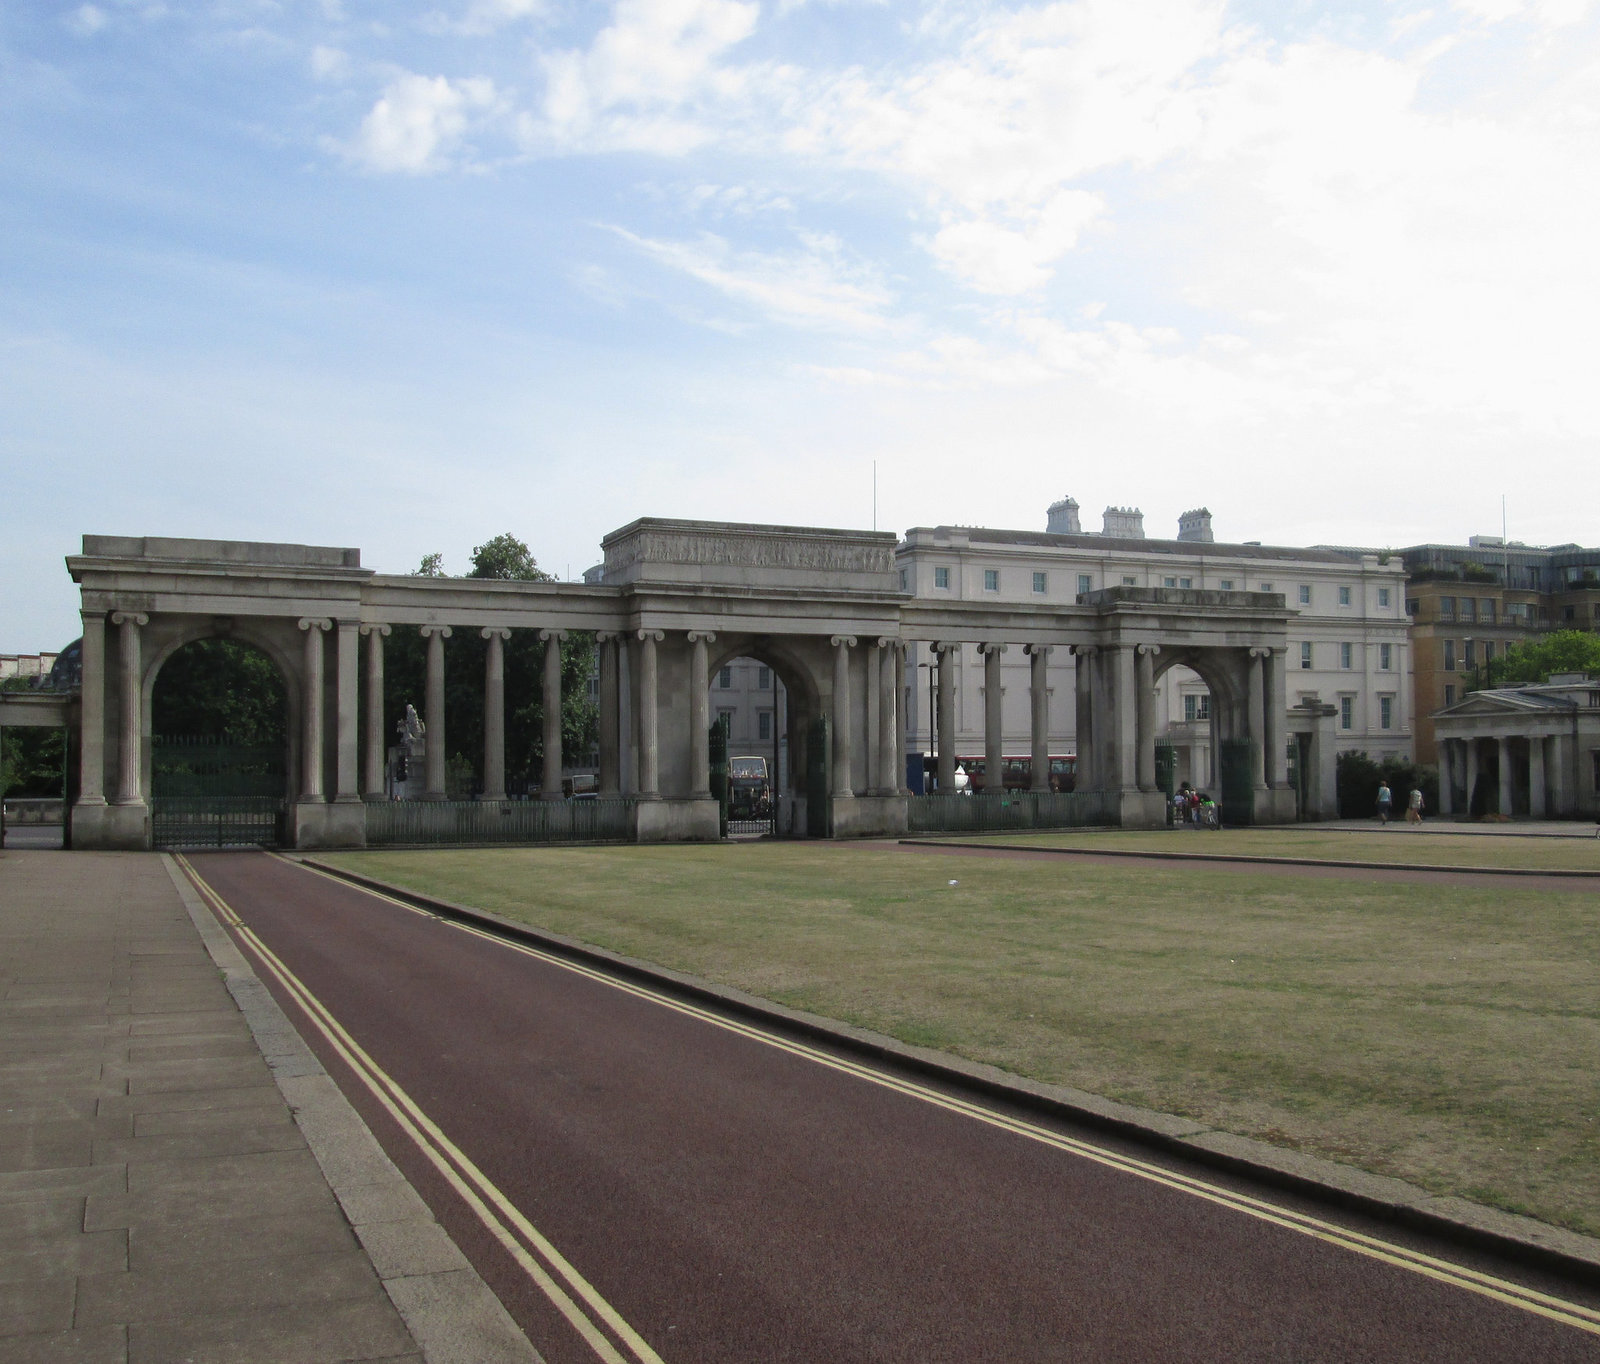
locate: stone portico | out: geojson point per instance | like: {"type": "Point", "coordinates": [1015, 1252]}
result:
{"type": "Point", "coordinates": [822, 608]}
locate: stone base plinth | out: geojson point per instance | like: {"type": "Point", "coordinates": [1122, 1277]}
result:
{"type": "Point", "coordinates": [328, 824]}
{"type": "Point", "coordinates": [125, 828]}
{"type": "Point", "coordinates": [1275, 806]}
{"type": "Point", "coordinates": [1142, 809]}
{"type": "Point", "coordinates": [868, 816]}
{"type": "Point", "coordinates": [678, 821]}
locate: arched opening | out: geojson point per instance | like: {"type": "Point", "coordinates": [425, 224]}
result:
{"type": "Point", "coordinates": [1198, 717]}
{"type": "Point", "coordinates": [221, 767]}
{"type": "Point", "coordinates": [767, 705]}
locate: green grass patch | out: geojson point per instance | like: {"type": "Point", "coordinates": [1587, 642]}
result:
{"type": "Point", "coordinates": [1444, 1035]}
{"type": "Point", "coordinates": [1398, 843]}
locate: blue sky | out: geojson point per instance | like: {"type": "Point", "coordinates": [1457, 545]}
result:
{"type": "Point", "coordinates": [407, 276]}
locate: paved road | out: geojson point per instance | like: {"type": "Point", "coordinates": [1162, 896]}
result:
{"type": "Point", "coordinates": [735, 1201]}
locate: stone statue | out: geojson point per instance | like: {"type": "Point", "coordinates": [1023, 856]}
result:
{"type": "Point", "coordinates": [411, 731]}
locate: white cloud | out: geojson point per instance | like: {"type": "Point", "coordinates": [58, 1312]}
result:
{"type": "Point", "coordinates": [1001, 258]}
{"type": "Point", "coordinates": [419, 121]}
{"type": "Point", "coordinates": [817, 287]}
{"type": "Point", "coordinates": [329, 63]}
{"type": "Point", "coordinates": [87, 20]}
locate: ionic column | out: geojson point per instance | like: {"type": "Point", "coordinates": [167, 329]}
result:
{"type": "Point", "coordinates": [1125, 703]}
{"type": "Point", "coordinates": [311, 710]}
{"type": "Point", "coordinates": [610, 737]}
{"type": "Point", "coordinates": [1536, 803]}
{"type": "Point", "coordinates": [649, 753]}
{"type": "Point", "coordinates": [1039, 699]}
{"type": "Point", "coordinates": [901, 712]}
{"type": "Point", "coordinates": [946, 715]}
{"type": "Point", "coordinates": [494, 712]}
{"type": "Point", "coordinates": [994, 765]}
{"type": "Point", "coordinates": [347, 690]}
{"type": "Point", "coordinates": [872, 754]}
{"type": "Point", "coordinates": [1505, 775]}
{"type": "Point", "coordinates": [433, 705]}
{"type": "Point", "coordinates": [92, 712]}
{"type": "Point", "coordinates": [372, 770]}
{"type": "Point", "coordinates": [1087, 776]}
{"type": "Point", "coordinates": [842, 645]}
{"type": "Point", "coordinates": [700, 714]}
{"type": "Point", "coordinates": [1447, 795]}
{"type": "Point", "coordinates": [130, 767]}
{"type": "Point", "coordinates": [1145, 713]}
{"type": "Point", "coordinates": [550, 778]}
{"type": "Point", "coordinates": [888, 717]}
{"type": "Point", "coordinates": [1472, 770]}
{"type": "Point", "coordinates": [1277, 717]}
{"type": "Point", "coordinates": [1257, 722]}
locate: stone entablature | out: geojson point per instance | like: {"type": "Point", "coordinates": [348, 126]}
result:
{"type": "Point", "coordinates": [657, 549]}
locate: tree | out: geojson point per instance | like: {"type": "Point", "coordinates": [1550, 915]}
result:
{"type": "Point", "coordinates": [1358, 776]}
{"type": "Point", "coordinates": [505, 557]}
{"type": "Point", "coordinates": [1561, 651]}
{"type": "Point", "coordinates": [432, 566]}
{"type": "Point", "coordinates": [31, 760]}
{"type": "Point", "coordinates": [221, 687]}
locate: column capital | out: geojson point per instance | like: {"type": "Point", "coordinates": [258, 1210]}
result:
{"type": "Point", "coordinates": [376, 630]}
{"type": "Point", "coordinates": [889, 642]}
{"type": "Point", "coordinates": [1151, 649]}
{"type": "Point", "coordinates": [1084, 650]}
{"type": "Point", "coordinates": [606, 636]}
{"type": "Point", "coordinates": [495, 632]}
{"type": "Point", "coordinates": [842, 641]}
{"type": "Point", "coordinates": [137, 618]}
{"type": "Point", "coordinates": [993, 648]}
{"type": "Point", "coordinates": [655, 635]}
{"type": "Point", "coordinates": [702, 636]}
{"type": "Point", "coordinates": [315, 623]}
{"type": "Point", "coordinates": [1258, 651]}
{"type": "Point", "coordinates": [443, 631]}
{"type": "Point", "coordinates": [1038, 650]}
{"type": "Point", "coordinates": [545, 636]}
{"type": "Point", "coordinates": [944, 646]}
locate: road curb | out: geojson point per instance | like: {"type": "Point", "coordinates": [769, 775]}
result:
{"type": "Point", "coordinates": [452, 1315]}
{"type": "Point", "coordinates": [1263, 860]}
{"type": "Point", "coordinates": [1522, 1239]}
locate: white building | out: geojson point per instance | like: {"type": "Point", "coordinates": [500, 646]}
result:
{"type": "Point", "coordinates": [1348, 647]}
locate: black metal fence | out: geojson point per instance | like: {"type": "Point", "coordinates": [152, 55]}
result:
{"type": "Point", "coordinates": [218, 822]}
{"type": "Point", "coordinates": [444, 822]}
{"type": "Point", "coordinates": [1010, 810]}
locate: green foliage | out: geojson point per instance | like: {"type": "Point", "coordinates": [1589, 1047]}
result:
{"type": "Point", "coordinates": [1560, 651]}
{"type": "Point", "coordinates": [432, 566]}
{"type": "Point", "coordinates": [31, 759]}
{"type": "Point", "coordinates": [1358, 777]}
{"type": "Point", "coordinates": [220, 686]}
{"type": "Point", "coordinates": [505, 557]}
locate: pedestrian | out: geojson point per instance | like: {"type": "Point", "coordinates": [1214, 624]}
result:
{"type": "Point", "coordinates": [1385, 801]}
{"type": "Point", "coordinates": [1414, 807]}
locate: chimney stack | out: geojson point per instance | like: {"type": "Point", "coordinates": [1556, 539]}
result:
{"type": "Point", "coordinates": [1124, 523]}
{"type": "Point", "coordinates": [1196, 525]}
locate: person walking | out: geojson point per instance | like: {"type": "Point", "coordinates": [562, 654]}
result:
{"type": "Point", "coordinates": [1385, 802]}
{"type": "Point", "coordinates": [1414, 807]}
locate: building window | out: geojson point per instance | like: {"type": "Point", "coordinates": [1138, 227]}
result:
{"type": "Point", "coordinates": [1347, 712]}
{"type": "Point", "coordinates": [1226, 584]}
{"type": "Point", "coordinates": [725, 719]}
{"type": "Point", "coordinates": [991, 580]}
{"type": "Point", "coordinates": [1266, 587]}
{"type": "Point", "coordinates": [941, 577]}
{"type": "Point", "coordinates": [763, 724]}
{"type": "Point", "coordinates": [1449, 655]}
{"type": "Point", "coordinates": [1347, 653]}
{"type": "Point", "coordinates": [1185, 583]}
{"type": "Point", "coordinates": [1196, 707]}
{"type": "Point", "coordinates": [1467, 608]}
{"type": "Point", "coordinates": [725, 680]}
{"type": "Point", "coordinates": [1169, 582]}
{"type": "Point", "coordinates": [1383, 597]}
{"type": "Point", "coordinates": [902, 580]}
{"type": "Point", "coordinates": [763, 679]}
{"type": "Point", "coordinates": [1305, 594]}
{"type": "Point", "coordinates": [1486, 610]}
{"type": "Point", "coordinates": [1411, 606]}
{"type": "Point", "coordinates": [1344, 596]}
{"type": "Point", "coordinates": [1449, 694]}
{"type": "Point", "coordinates": [1039, 582]}
{"type": "Point", "coordinates": [1447, 608]}
{"type": "Point", "coordinates": [1386, 656]}
{"type": "Point", "coordinates": [1305, 653]}
{"type": "Point", "coordinates": [1129, 581]}
{"type": "Point", "coordinates": [1488, 651]}
{"type": "Point", "coordinates": [1569, 613]}
{"type": "Point", "coordinates": [1085, 583]}
{"type": "Point", "coordinates": [1469, 653]}
{"type": "Point", "coordinates": [1386, 712]}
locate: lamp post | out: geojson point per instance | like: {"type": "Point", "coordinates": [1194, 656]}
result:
{"type": "Point", "coordinates": [933, 717]}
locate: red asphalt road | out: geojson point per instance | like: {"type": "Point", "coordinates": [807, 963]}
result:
{"type": "Point", "coordinates": [737, 1203]}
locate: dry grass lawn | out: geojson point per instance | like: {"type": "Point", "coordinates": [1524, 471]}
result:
{"type": "Point", "coordinates": [1398, 843]}
{"type": "Point", "coordinates": [1447, 1036]}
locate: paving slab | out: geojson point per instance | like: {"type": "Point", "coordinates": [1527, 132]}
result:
{"type": "Point", "coordinates": [159, 1113]}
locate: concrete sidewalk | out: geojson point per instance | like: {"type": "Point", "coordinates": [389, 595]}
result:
{"type": "Point", "coordinates": [159, 1197]}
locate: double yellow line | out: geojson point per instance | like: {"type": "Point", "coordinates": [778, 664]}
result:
{"type": "Point", "coordinates": [599, 1324]}
{"type": "Point", "coordinates": [1483, 1285]}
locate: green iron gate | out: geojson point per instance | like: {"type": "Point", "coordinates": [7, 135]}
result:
{"type": "Point", "coordinates": [719, 772]}
{"type": "Point", "coordinates": [1167, 772]}
{"type": "Point", "coordinates": [819, 771]}
{"type": "Point", "coordinates": [210, 792]}
{"type": "Point", "coordinates": [1236, 769]}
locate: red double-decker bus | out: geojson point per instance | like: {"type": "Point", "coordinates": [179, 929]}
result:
{"type": "Point", "coordinates": [1016, 774]}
